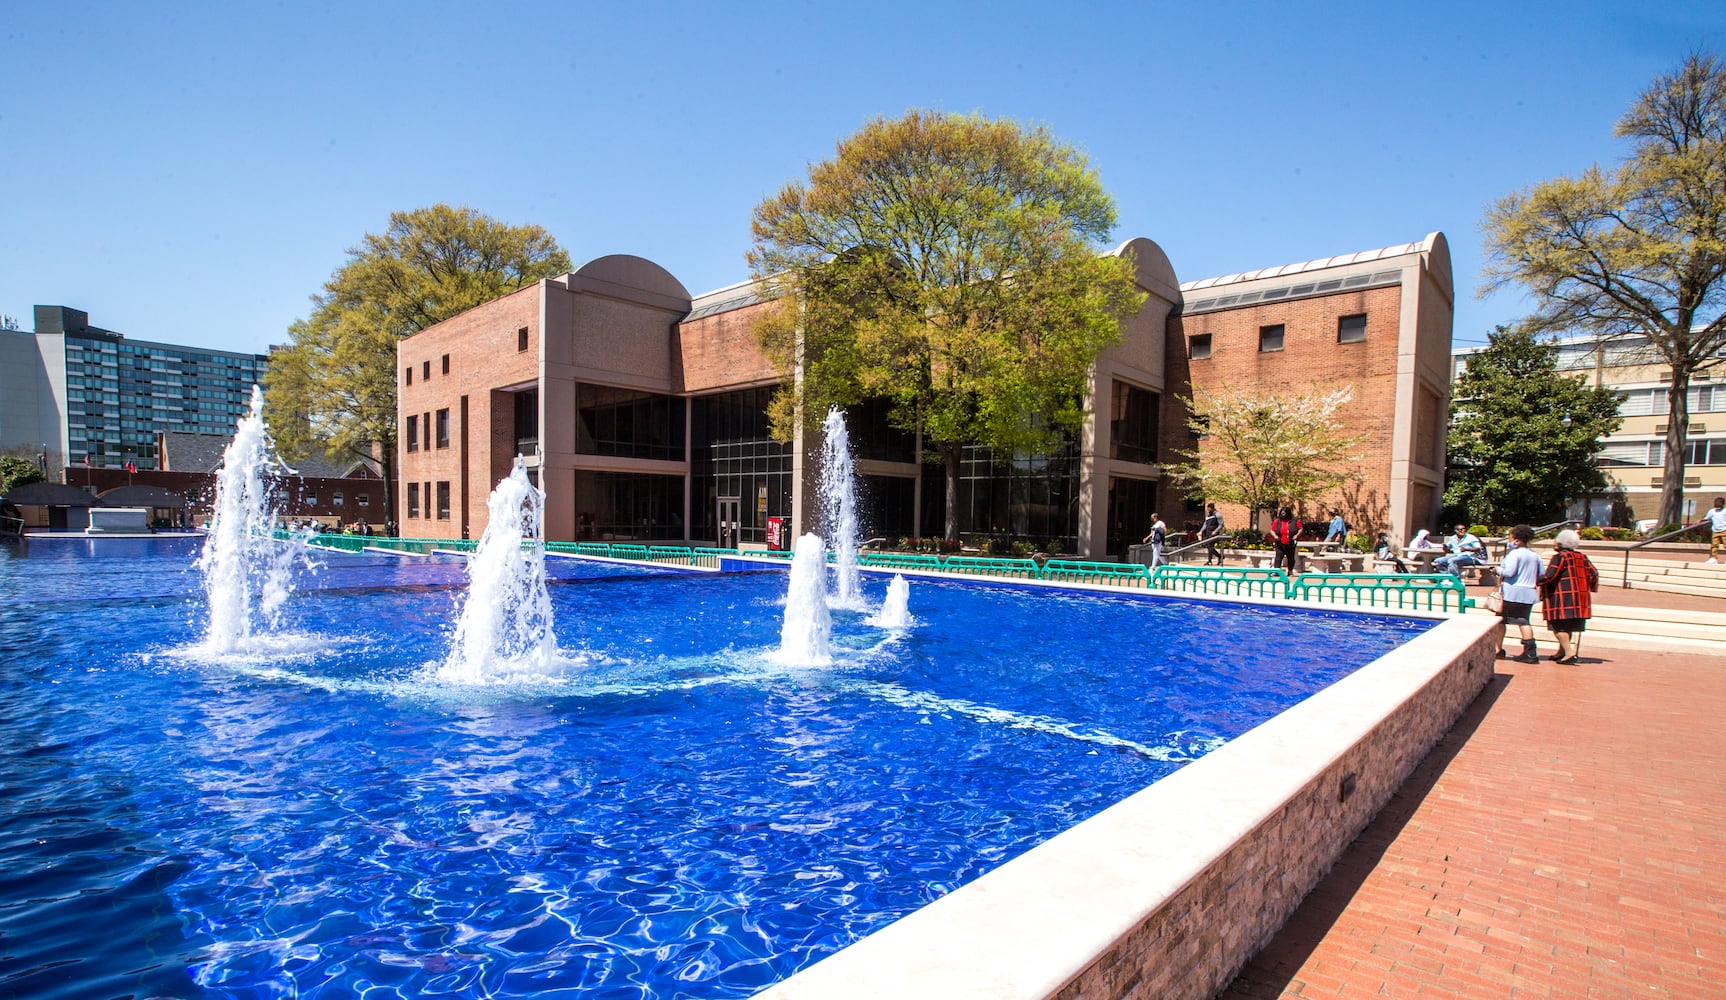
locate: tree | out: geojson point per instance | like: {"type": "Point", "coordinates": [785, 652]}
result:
{"type": "Point", "coordinates": [1262, 449]}
{"type": "Point", "coordinates": [1636, 251]}
{"type": "Point", "coordinates": [949, 265]}
{"type": "Point", "coordinates": [15, 471]}
{"type": "Point", "coordinates": [332, 389]}
{"type": "Point", "coordinates": [1522, 436]}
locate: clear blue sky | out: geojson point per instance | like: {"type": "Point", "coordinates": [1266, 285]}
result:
{"type": "Point", "coordinates": [192, 172]}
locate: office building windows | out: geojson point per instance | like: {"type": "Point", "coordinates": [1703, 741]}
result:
{"type": "Point", "coordinates": [443, 428]}
{"type": "Point", "coordinates": [1351, 329]}
{"type": "Point", "coordinates": [1271, 338]}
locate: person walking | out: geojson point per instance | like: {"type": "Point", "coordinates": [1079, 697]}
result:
{"type": "Point", "coordinates": [1159, 534]}
{"type": "Point", "coordinates": [1716, 521]}
{"type": "Point", "coordinates": [1518, 588]}
{"type": "Point", "coordinates": [1208, 531]}
{"type": "Point", "coordinates": [1465, 550]}
{"type": "Point", "coordinates": [1285, 532]}
{"type": "Point", "coordinates": [1565, 590]}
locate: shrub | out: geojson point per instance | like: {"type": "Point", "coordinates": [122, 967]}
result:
{"type": "Point", "coordinates": [1619, 534]}
{"type": "Point", "coordinates": [1592, 534]}
{"type": "Point", "coordinates": [1022, 550]}
{"type": "Point", "coordinates": [1251, 538]}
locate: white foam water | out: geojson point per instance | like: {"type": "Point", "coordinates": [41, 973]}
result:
{"type": "Point", "coordinates": [248, 573]}
{"type": "Point", "coordinates": [839, 509]}
{"type": "Point", "coordinates": [895, 609]}
{"type": "Point", "coordinates": [806, 637]}
{"type": "Point", "coordinates": [504, 632]}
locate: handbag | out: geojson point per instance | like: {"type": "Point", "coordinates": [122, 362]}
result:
{"type": "Point", "coordinates": [1495, 602]}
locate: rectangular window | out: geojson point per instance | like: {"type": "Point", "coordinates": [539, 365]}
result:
{"type": "Point", "coordinates": [521, 339]}
{"type": "Point", "coordinates": [425, 370]}
{"type": "Point", "coordinates": [408, 375]}
{"type": "Point", "coordinates": [413, 432]}
{"type": "Point", "coordinates": [363, 499]}
{"type": "Point", "coordinates": [1351, 329]}
{"type": "Point", "coordinates": [443, 428]}
{"type": "Point", "coordinates": [1706, 452]}
{"type": "Point", "coordinates": [628, 423]}
{"type": "Point", "coordinates": [1271, 338]}
{"type": "Point", "coordinates": [1199, 346]}
{"type": "Point", "coordinates": [1133, 423]}
{"type": "Point", "coordinates": [446, 364]}
{"type": "Point", "coordinates": [336, 501]}
{"type": "Point", "coordinates": [443, 500]}
{"type": "Point", "coordinates": [413, 499]}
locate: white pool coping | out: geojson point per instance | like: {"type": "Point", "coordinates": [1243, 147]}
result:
{"type": "Point", "coordinates": [1169, 892]}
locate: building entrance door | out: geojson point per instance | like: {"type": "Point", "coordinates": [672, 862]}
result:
{"type": "Point", "coordinates": [730, 513]}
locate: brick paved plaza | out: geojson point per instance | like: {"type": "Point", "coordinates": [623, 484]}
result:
{"type": "Point", "coordinates": [1564, 840]}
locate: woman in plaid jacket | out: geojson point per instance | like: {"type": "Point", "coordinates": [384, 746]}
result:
{"type": "Point", "coordinates": [1564, 594]}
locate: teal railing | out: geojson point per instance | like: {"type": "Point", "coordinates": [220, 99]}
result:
{"type": "Point", "coordinates": [1390, 591]}
{"type": "Point", "coordinates": [1398, 591]}
{"type": "Point", "coordinates": [1107, 573]}
{"type": "Point", "coordinates": [1014, 569]}
{"type": "Point", "coordinates": [900, 560]}
{"type": "Point", "coordinates": [1224, 581]}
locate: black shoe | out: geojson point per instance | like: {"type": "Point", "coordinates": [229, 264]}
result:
{"type": "Point", "coordinates": [1502, 655]}
{"type": "Point", "coordinates": [1567, 661]}
{"type": "Point", "coordinates": [1527, 658]}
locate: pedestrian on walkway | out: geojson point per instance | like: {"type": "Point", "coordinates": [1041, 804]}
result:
{"type": "Point", "coordinates": [1565, 590]}
{"type": "Point", "coordinates": [1209, 531]}
{"type": "Point", "coordinates": [1518, 578]}
{"type": "Point", "coordinates": [1285, 532]}
{"type": "Point", "coordinates": [1716, 521]}
{"type": "Point", "coordinates": [1158, 534]}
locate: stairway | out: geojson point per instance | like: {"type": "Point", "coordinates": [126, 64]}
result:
{"type": "Point", "coordinates": [1619, 624]}
{"type": "Point", "coordinates": [1697, 579]}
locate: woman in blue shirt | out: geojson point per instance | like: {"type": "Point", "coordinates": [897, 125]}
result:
{"type": "Point", "coordinates": [1518, 576]}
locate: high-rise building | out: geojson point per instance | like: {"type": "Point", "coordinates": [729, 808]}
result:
{"type": "Point", "coordinates": [79, 392]}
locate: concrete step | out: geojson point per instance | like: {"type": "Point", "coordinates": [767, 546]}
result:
{"type": "Point", "coordinates": [1667, 586]}
{"type": "Point", "coordinates": [1651, 628]}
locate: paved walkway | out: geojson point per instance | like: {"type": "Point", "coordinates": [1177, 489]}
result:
{"type": "Point", "coordinates": [1566, 839]}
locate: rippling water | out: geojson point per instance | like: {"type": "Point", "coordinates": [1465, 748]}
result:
{"type": "Point", "coordinates": [672, 815]}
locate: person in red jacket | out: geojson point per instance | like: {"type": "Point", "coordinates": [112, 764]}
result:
{"type": "Point", "coordinates": [1285, 532]}
{"type": "Point", "coordinates": [1564, 594]}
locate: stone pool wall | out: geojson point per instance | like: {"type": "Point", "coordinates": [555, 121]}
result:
{"type": "Point", "coordinates": [1167, 894]}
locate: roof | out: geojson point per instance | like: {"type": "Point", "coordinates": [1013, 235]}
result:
{"type": "Point", "coordinates": [51, 495]}
{"type": "Point", "coordinates": [1319, 264]}
{"type": "Point", "coordinates": [187, 452]}
{"type": "Point", "coordinates": [142, 496]}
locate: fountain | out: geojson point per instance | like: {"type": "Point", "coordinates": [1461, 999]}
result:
{"type": "Point", "coordinates": [805, 637]}
{"type": "Point", "coordinates": [895, 607]}
{"type": "Point", "coordinates": [839, 508]}
{"type": "Point", "coordinates": [248, 574]}
{"type": "Point", "coordinates": [504, 630]}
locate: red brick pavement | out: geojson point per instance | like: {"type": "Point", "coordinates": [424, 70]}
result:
{"type": "Point", "coordinates": [1566, 839]}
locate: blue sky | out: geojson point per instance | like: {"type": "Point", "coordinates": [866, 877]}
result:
{"type": "Point", "coordinates": [193, 172]}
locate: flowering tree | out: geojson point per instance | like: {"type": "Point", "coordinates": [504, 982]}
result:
{"type": "Point", "coordinates": [1260, 449]}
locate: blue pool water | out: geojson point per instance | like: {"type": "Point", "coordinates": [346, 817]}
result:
{"type": "Point", "coordinates": [674, 815]}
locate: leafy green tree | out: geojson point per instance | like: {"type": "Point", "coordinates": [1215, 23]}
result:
{"type": "Point", "coordinates": [947, 264]}
{"type": "Point", "coordinates": [1639, 250]}
{"type": "Point", "coordinates": [1523, 436]}
{"type": "Point", "coordinates": [1262, 449]}
{"type": "Point", "coordinates": [15, 471]}
{"type": "Point", "coordinates": [332, 389]}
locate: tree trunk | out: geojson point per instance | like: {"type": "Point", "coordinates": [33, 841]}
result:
{"type": "Point", "coordinates": [1678, 422]}
{"type": "Point", "coordinates": [950, 454]}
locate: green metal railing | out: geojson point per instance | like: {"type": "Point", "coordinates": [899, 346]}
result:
{"type": "Point", "coordinates": [900, 560]}
{"type": "Point", "coordinates": [1224, 581]}
{"type": "Point", "coordinates": [1391, 591]}
{"type": "Point", "coordinates": [1017, 569]}
{"type": "Point", "coordinates": [1403, 592]}
{"type": "Point", "coordinates": [1107, 573]}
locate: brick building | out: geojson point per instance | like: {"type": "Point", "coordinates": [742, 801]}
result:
{"type": "Point", "coordinates": [642, 409]}
{"type": "Point", "coordinates": [1378, 322]}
